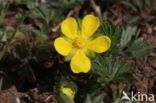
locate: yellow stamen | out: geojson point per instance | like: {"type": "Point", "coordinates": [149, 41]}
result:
{"type": "Point", "coordinates": [79, 43]}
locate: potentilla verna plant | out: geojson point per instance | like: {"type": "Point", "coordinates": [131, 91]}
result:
{"type": "Point", "coordinates": [78, 42]}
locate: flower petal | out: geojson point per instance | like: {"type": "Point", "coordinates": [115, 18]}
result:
{"type": "Point", "coordinates": [69, 27]}
{"type": "Point", "coordinates": [80, 63]}
{"type": "Point", "coordinates": [100, 44]}
{"type": "Point", "coordinates": [90, 23]}
{"type": "Point", "coordinates": [62, 46]}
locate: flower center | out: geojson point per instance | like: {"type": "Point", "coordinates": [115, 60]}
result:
{"type": "Point", "coordinates": [79, 43]}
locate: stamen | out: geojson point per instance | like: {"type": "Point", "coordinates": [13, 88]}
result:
{"type": "Point", "coordinates": [79, 43]}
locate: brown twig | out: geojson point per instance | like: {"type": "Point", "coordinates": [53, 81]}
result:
{"type": "Point", "coordinates": [96, 8]}
{"type": "Point", "coordinates": [73, 11]}
{"type": "Point", "coordinates": [70, 13]}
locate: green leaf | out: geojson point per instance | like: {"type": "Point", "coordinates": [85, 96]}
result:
{"type": "Point", "coordinates": [129, 4]}
{"type": "Point", "coordinates": [139, 48]}
{"type": "Point", "coordinates": [38, 14]}
{"type": "Point", "coordinates": [137, 5]}
{"type": "Point", "coordinates": [2, 52]}
{"type": "Point", "coordinates": [24, 28]}
{"type": "Point", "coordinates": [20, 1]}
{"type": "Point", "coordinates": [114, 33]}
{"type": "Point", "coordinates": [3, 9]}
{"type": "Point", "coordinates": [99, 99]}
{"type": "Point", "coordinates": [4, 38]}
{"type": "Point", "coordinates": [31, 4]}
{"type": "Point", "coordinates": [88, 99]}
{"type": "Point", "coordinates": [95, 99]}
{"type": "Point", "coordinates": [127, 35]}
{"type": "Point", "coordinates": [71, 3]}
{"type": "Point", "coordinates": [39, 35]}
{"type": "Point", "coordinates": [19, 16]}
{"type": "Point", "coordinates": [111, 69]}
{"type": "Point", "coordinates": [131, 19]}
{"type": "Point", "coordinates": [46, 14]}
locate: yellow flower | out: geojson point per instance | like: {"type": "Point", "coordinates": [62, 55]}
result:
{"type": "Point", "coordinates": [79, 43]}
{"type": "Point", "coordinates": [68, 92]}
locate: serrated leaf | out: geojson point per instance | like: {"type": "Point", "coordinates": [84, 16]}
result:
{"type": "Point", "coordinates": [46, 14]}
{"type": "Point", "coordinates": [127, 35]}
{"type": "Point", "coordinates": [129, 4]}
{"type": "Point", "coordinates": [37, 13]}
{"type": "Point", "coordinates": [139, 48]}
{"type": "Point", "coordinates": [137, 5]}
{"type": "Point", "coordinates": [110, 69]}
{"type": "Point", "coordinates": [99, 99]}
{"type": "Point", "coordinates": [132, 19]}
{"type": "Point", "coordinates": [39, 35]}
{"type": "Point", "coordinates": [114, 33]}
{"type": "Point", "coordinates": [25, 28]}
{"type": "Point", "coordinates": [31, 4]}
